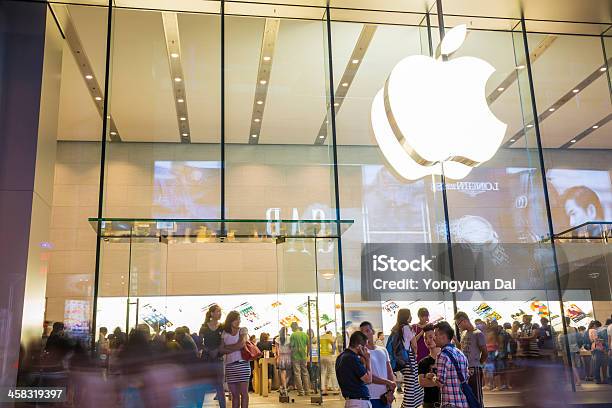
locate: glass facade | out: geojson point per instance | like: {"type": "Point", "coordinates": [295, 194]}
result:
{"type": "Point", "coordinates": [223, 110]}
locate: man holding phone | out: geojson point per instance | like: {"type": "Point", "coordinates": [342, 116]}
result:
{"type": "Point", "coordinates": [354, 372]}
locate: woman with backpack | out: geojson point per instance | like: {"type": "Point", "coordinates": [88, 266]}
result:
{"type": "Point", "coordinates": [404, 336]}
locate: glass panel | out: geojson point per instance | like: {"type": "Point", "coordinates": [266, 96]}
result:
{"type": "Point", "coordinates": [76, 185]}
{"type": "Point", "coordinates": [298, 310]}
{"type": "Point", "coordinates": [387, 208]}
{"type": "Point", "coordinates": [277, 165]}
{"type": "Point", "coordinates": [574, 105]}
{"type": "Point", "coordinates": [164, 159]}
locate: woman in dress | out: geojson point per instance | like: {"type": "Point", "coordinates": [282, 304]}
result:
{"type": "Point", "coordinates": [283, 359]}
{"type": "Point", "coordinates": [413, 392]}
{"type": "Point", "coordinates": [237, 370]}
{"type": "Point", "coordinates": [211, 332]}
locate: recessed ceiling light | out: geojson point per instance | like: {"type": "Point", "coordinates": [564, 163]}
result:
{"type": "Point", "coordinates": [576, 90]}
{"type": "Point", "coordinates": [573, 141]}
{"type": "Point", "coordinates": [355, 61]}
{"type": "Point", "coordinates": [174, 55]}
{"type": "Point", "coordinates": [336, 104]}
{"type": "Point", "coordinates": [345, 84]}
{"type": "Point", "coordinates": [501, 88]}
{"type": "Point", "coordinates": [183, 118]}
{"type": "Point", "coordinates": [266, 58]}
{"type": "Point", "coordinates": [259, 102]}
{"type": "Point", "coordinates": [256, 120]}
{"type": "Point", "coordinates": [530, 125]}
{"type": "Point", "coordinates": [180, 100]}
{"type": "Point", "coordinates": [263, 82]}
{"type": "Point", "coordinates": [602, 69]}
{"type": "Point", "coordinates": [97, 98]}
{"type": "Point", "coordinates": [88, 76]}
{"type": "Point", "coordinates": [113, 133]}
{"type": "Point", "coordinates": [177, 79]}
{"type": "Point", "coordinates": [321, 136]}
{"type": "Point", "coordinates": [185, 134]}
{"type": "Point", "coordinates": [551, 110]}
{"type": "Point", "coordinates": [108, 117]}
{"type": "Point", "coordinates": [595, 126]}
{"type": "Point", "coordinates": [512, 140]}
{"type": "Point", "coordinates": [253, 135]}
{"type": "Point", "coordinates": [520, 66]}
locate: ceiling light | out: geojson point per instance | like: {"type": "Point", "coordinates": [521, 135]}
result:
{"type": "Point", "coordinates": [602, 69]}
{"type": "Point", "coordinates": [89, 76]}
{"type": "Point", "coordinates": [108, 117]}
{"type": "Point", "coordinates": [551, 110]}
{"type": "Point", "coordinates": [263, 82]}
{"type": "Point", "coordinates": [113, 133]}
{"type": "Point", "coordinates": [174, 55]}
{"type": "Point", "coordinates": [257, 120]}
{"type": "Point", "coordinates": [576, 90]}
{"type": "Point", "coordinates": [520, 66]}
{"type": "Point", "coordinates": [183, 118]}
{"type": "Point", "coordinates": [177, 79]}
{"type": "Point", "coordinates": [573, 141]}
{"type": "Point", "coordinates": [595, 126]}
{"type": "Point", "coordinates": [180, 100]}
{"type": "Point", "coordinates": [97, 98]}
{"type": "Point", "coordinates": [336, 104]}
{"type": "Point", "coordinates": [259, 102]}
{"type": "Point", "coordinates": [530, 125]}
{"type": "Point", "coordinates": [345, 84]}
{"type": "Point", "coordinates": [253, 135]}
{"type": "Point", "coordinates": [355, 61]}
{"type": "Point", "coordinates": [266, 58]}
{"type": "Point", "coordinates": [185, 134]}
{"type": "Point", "coordinates": [321, 136]}
{"type": "Point", "coordinates": [500, 88]}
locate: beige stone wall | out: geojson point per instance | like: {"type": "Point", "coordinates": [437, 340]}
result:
{"type": "Point", "coordinates": [258, 178]}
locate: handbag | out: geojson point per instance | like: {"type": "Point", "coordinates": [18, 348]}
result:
{"type": "Point", "coordinates": [250, 351]}
{"type": "Point", "coordinates": [465, 387]}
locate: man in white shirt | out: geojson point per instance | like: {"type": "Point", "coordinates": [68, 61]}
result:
{"type": "Point", "coordinates": [383, 379]}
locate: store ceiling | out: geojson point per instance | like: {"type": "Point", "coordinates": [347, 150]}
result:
{"type": "Point", "coordinates": [142, 102]}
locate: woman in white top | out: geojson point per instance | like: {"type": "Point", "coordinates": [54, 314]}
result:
{"type": "Point", "coordinates": [283, 358]}
{"type": "Point", "coordinates": [237, 370]}
{"type": "Point", "coordinates": [413, 392]}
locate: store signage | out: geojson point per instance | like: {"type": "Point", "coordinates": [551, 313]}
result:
{"type": "Point", "coordinates": [432, 116]}
{"type": "Point", "coordinates": [471, 188]}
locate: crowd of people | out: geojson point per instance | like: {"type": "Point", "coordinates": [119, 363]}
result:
{"type": "Point", "coordinates": [424, 364]}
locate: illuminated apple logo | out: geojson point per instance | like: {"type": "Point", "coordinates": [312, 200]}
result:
{"type": "Point", "coordinates": [432, 115]}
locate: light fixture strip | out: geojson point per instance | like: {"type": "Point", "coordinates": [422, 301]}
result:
{"type": "Point", "coordinates": [513, 76]}
{"type": "Point", "coordinates": [565, 98]}
{"type": "Point", "coordinates": [587, 131]}
{"type": "Point", "coordinates": [352, 66]}
{"type": "Point", "coordinates": [266, 57]}
{"type": "Point", "coordinates": [173, 47]}
{"type": "Point", "coordinates": [87, 73]}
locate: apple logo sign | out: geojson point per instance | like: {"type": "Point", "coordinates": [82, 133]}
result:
{"type": "Point", "coordinates": [432, 116]}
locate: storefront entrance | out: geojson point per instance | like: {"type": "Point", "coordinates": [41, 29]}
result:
{"type": "Point", "coordinates": [168, 273]}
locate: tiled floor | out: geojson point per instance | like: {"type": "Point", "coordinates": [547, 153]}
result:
{"type": "Point", "coordinates": [599, 395]}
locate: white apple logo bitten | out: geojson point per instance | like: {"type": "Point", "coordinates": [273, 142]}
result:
{"type": "Point", "coordinates": [432, 115]}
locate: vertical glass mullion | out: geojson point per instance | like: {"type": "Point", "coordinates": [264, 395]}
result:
{"type": "Point", "coordinates": [332, 115]}
{"type": "Point", "coordinates": [105, 121]}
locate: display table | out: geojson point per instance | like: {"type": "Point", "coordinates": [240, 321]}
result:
{"type": "Point", "coordinates": [260, 375]}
